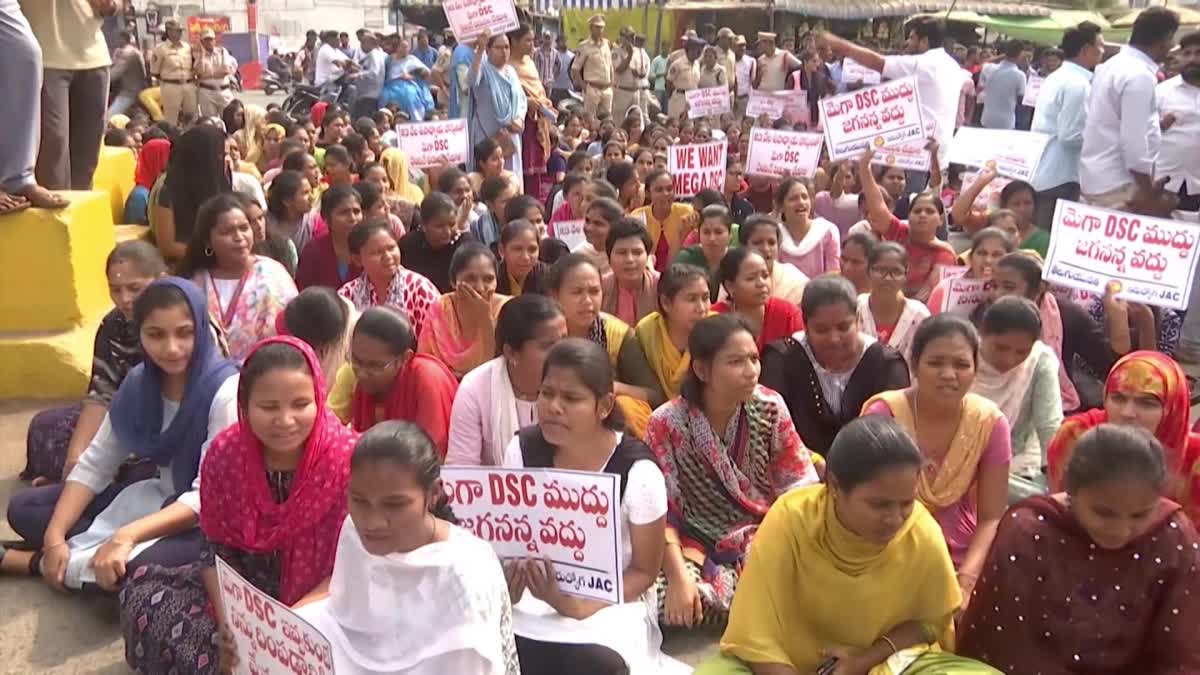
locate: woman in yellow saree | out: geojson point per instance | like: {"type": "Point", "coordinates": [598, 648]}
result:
{"type": "Point", "coordinates": [854, 570]}
{"type": "Point", "coordinates": [396, 163]}
{"type": "Point", "coordinates": [574, 283]}
{"type": "Point", "coordinates": [460, 330]}
{"type": "Point", "coordinates": [683, 299]}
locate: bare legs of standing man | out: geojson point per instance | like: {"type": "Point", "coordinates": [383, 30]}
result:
{"type": "Point", "coordinates": [21, 73]}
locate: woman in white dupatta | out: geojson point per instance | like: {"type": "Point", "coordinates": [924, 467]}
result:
{"type": "Point", "coordinates": [1019, 373]}
{"type": "Point", "coordinates": [884, 313]}
{"type": "Point", "coordinates": [411, 592]}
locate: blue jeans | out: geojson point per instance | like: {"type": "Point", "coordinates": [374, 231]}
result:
{"type": "Point", "coordinates": [121, 104]}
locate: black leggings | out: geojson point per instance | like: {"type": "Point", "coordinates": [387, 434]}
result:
{"type": "Point", "coordinates": [555, 658]}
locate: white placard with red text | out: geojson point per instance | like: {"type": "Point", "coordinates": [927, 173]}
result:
{"type": "Point", "coordinates": [271, 638]}
{"type": "Point", "coordinates": [570, 232]}
{"type": "Point", "coordinates": [1033, 88]}
{"type": "Point", "coordinates": [854, 72]}
{"type": "Point", "coordinates": [698, 166]}
{"type": "Point", "coordinates": [964, 295]}
{"type": "Point", "coordinates": [989, 198]}
{"type": "Point", "coordinates": [707, 102]}
{"type": "Point", "coordinates": [769, 103]}
{"type": "Point", "coordinates": [469, 18]}
{"type": "Point", "coordinates": [1151, 259]}
{"type": "Point", "coordinates": [777, 154]}
{"type": "Point", "coordinates": [912, 156]}
{"type": "Point", "coordinates": [571, 518]}
{"type": "Point", "coordinates": [884, 115]}
{"type": "Point", "coordinates": [951, 272]}
{"type": "Point", "coordinates": [430, 144]}
{"type": "Point", "coordinates": [1011, 153]}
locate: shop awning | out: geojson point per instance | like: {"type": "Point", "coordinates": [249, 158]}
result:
{"type": "Point", "coordinates": [1046, 29]}
{"type": "Point", "coordinates": [859, 9]}
{"type": "Point", "coordinates": [716, 5]}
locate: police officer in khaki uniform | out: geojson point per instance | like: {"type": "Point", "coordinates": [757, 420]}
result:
{"type": "Point", "coordinates": [214, 66]}
{"type": "Point", "coordinates": [683, 75]}
{"type": "Point", "coordinates": [631, 67]}
{"type": "Point", "coordinates": [592, 69]}
{"type": "Point", "coordinates": [171, 63]}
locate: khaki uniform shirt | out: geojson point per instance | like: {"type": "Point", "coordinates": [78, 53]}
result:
{"type": "Point", "coordinates": [632, 77]}
{"type": "Point", "coordinates": [773, 70]}
{"type": "Point", "coordinates": [684, 75]}
{"type": "Point", "coordinates": [214, 66]}
{"type": "Point", "coordinates": [168, 62]}
{"type": "Point", "coordinates": [596, 62]}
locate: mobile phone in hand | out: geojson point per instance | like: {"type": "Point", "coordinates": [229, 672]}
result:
{"type": "Point", "coordinates": [827, 666]}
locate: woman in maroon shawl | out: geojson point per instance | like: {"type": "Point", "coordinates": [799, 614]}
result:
{"type": "Point", "coordinates": [1103, 579]}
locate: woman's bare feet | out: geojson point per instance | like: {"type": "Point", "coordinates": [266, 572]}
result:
{"type": "Point", "coordinates": [10, 204]}
{"type": "Point", "coordinates": [41, 198]}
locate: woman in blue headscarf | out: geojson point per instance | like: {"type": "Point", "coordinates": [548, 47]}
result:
{"type": "Point", "coordinates": [498, 103]}
{"type": "Point", "coordinates": [168, 409]}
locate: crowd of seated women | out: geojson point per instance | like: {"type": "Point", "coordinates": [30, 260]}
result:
{"type": "Point", "coordinates": [818, 455]}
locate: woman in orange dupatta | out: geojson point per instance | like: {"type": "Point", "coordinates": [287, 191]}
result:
{"type": "Point", "coordinates": [1148, 390]}
{"type": "Point", "coordinates": [461, 328]}
{"type": "Point", "coordinates": [535, 139]}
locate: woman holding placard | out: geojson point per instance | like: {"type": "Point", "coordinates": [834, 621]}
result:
{"type": "Point", "coordinates": [273, 489]}
{"type": "Point", "coordinates": [498, 103]}
{"type": "Point", "coordinates": [724, 435]}
{"type": "Point", "coordinates": [580, 428]}
{"type": "Point", "coordinates": [964, 437]}
{"type": "Point", "coordinates": [743, 273]}
{"type": "Point", "coordinates": [988, 246]}
{"type": "Point", "coordinates": [885, 314]}
{"type": "Point", "coordinates": [411, 591]}
{"type": "Point", "coordinates": [811, 244]}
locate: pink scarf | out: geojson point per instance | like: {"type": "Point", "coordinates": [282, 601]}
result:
{"type": "Point", "coordinates": [240, 512]}
{"type": "Point", "coordinates": [1052, 335]}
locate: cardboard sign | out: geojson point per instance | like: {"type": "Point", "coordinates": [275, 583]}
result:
{"type": "Point", "coordinates": [707, 102]}
{"type": "Point", "coordinates": [570, 232]}
{"type": "Point", "coordinates": [912, 156]}
{"type": "Point", "coordinates": [880, 116]}
{"type": "Point", "coordinates": [854, 72]}
{"type": "Point", "coordinates": [430, 144]}
{"type": "Point", "coordinates": [1033, 88]}
{"type": "Point", "coordinates": [990, 197]}
{"type": "Point", "coordinates": [954, 272]}
{"type": "Point", "coordinates": [271, 639]}
{"type": "Point", "coordinates": [468, 18]}
{"type": "Point", "coordinates": [1151, 260]}
{"type": "Point", "coordinates": [769, 103]}
{"type": "Point", "coordinates": [778, 154]}
{"type": "Point", "coordinates": [1011, 153]}
{"type": "Point", "coordinates": [697, 167]}
{"type": "Point", "coordinates": [964, 295]}
{"type": "Point", "coordinates": [571, 518]}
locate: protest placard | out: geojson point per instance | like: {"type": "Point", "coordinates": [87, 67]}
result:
{"type": "Point", "coordinates": [1067, 294]}
{"type": "Point", "coordinates": [912, 156]}
{"type": "Point", "coordinates": [430, 144]}
{"type": "Point", "coordinates": [570, 232]}
{"type": "Point", "coordinates": [697, 167]}
{"type": "Point", "coordinates": [951, 272]}
{"type": "Point", "coordinates": [990, 197]}
{"type": "Point", "coordinates": [769, 103]}
{"type": "Point", "coordinates": [707, 102]}
{"type": "Point", "coordinates": [883, 115]}
{"type": "Point", "coordinates": [571, 518]}
{"type": "Point", "coordinates": [271, 639]}
{"type": "Point", "coordinates": [964, 295]}
{"type": "Point", "coordinates": [1151, 260]}
{"type": "Point", "coordinates": [1033, 87]}
{"type": "Point", "coordinates": [1011, 153]}
{"type": "Point", "coordinates": [854, 72]}
{"type": "Point", "coordinates": [776, 154]}
{"type": "Point", "coordinates": [469, 18]}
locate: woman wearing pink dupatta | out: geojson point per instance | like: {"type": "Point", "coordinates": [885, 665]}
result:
{"type": "Point", "coordinates": [273, 490]}
{"type": "Point", "coordinates": [460, 330]}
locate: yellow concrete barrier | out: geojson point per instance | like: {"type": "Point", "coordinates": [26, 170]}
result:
{"type": "Point", "coordinates": [114, 176]}
{"type": "Point", "coordinates": [47, 365]}
{"type": "Point", "coordinates": [52, 265]}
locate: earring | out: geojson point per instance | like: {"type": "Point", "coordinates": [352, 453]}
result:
{"type": "Point", "coordinates": [208, 252]}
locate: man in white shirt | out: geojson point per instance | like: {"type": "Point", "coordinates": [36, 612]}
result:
{"type": "Point", "coordinates": [370, 78]}
{"type": "Point", "coordinates": [1006, 88]}
{"type": "Point", "coordinates": [1179, 112]}
{"type": "Point", "coordinates": [331, 62]}
{"type": "Point", "coordinates": [1122, 138]}
{"type": "Point", "coordinates": [1061, 113]}
{"type": "Point", "coordinates": [747, 69]}
{"type": "Point", "coordinates": [939, 77]}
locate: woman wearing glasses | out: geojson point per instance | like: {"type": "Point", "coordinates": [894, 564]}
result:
{"type": "Point", "coordinates": [387, 380]}
{"type": "Point", "coordinates": [885, 313]}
